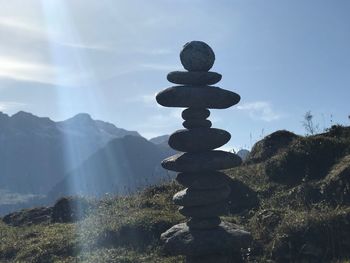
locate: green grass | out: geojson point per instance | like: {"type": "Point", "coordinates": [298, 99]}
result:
{"type": "Point", "coordinates": [293, 222]}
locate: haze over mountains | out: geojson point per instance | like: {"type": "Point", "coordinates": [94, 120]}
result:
{"type": "Point", "coordinates": [76, 156]}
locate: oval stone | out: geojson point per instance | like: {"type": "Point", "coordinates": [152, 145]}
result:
{"type": "Point", "coordinates": [199, 139]}
{"type": "Point", "coordinates": [194, 78]}
{"type": "Point", "coordinates": [195, 197]}
{"type": "Point", "coordinates": [209, 180]}
{"type": "Point", "coordinates": [203, 223]}
{"type": "Point", "coordinates": [223, 239]}
{"type": "Point", "coordinates": [197, 97]}
{"type": "Point", "coordinates": [197, 56]}
{"type": "Point", "coordinates": [192, 124]}
{"type": "Point", "coordinates": [201, 161]}
{"type": "Point", "coordinates": [203, 211]}
{"type": "Point", "coordinates": [195, 113]}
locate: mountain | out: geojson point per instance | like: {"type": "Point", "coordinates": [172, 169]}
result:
{"type": "Point", "coordinates": [36, 152]}
{"type": "Point", "coordinates": [243, 153]}
{"type": "Point", "coordinates": [163, 139]}
{"type": "Point", "coordinates": [123, 166]}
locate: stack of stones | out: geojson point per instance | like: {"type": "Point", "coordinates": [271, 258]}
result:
{"type": "Point", "coordinates": [204, 237]}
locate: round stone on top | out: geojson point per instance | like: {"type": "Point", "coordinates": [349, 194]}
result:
{"type": "Point", "coordinates": [197, 56]}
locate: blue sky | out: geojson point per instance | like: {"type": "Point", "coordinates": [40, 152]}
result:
{"type": "Point", "coordinates": [108, 58]}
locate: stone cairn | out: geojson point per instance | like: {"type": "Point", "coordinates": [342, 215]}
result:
{"type": "Point", "coordinates": [204, 237]}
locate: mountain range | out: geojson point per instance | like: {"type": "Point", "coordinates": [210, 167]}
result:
{"type": "Point", "coordinates": [80, 155]}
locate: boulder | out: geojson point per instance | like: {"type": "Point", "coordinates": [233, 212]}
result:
{"type": "Point", "coordinates": [201, 162]}
{"type": "Point", "coordinates": [194, 77]}
{"type": "Point", "coordinates": [194, 197]}
{"type": "Point", "coordinates": [181, 240]}
{"type": "Point", "coordinates": [204, 211]}
{"type": "Point", "coordinates": [197, 56]}
{"type": "Point", "coordinates": [195, 113]}
{"type": "Point", "coordinates": [205, 180]}
{"type": "Point", "coordinates": [203, 223]}
{"type": "Point", "coordinates": [197, 97]}
{"type": "Point", "coordinates": [192, 124]}
{"type": "Point", "coordinates": [198, 140]}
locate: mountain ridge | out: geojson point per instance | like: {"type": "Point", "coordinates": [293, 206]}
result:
{"type": "Point", "coordinates": [36, 153]}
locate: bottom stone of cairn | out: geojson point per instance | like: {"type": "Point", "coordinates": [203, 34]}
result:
{"type": "Point", "coordinates": [223, 239]}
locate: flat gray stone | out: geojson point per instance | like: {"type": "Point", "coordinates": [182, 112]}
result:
{"type": "Point", "coordinates": [195, 113]}
{"type": "Point", "coordinates": [193, 124]}
{"type": "Point", "coordinates": [201, 161]}
{"type": "Point", "coordinates": [181, 240]}
{"type": "Point", "coordinates": [194, 78]}
{"type": "Point", "coordinates": [204, 211]}
{"type": "Point", "coordinates": [198, 139]}
{"type": "Point", "coordinates": [209, 180]}
{"type": "Point", "coordinates": [203, 223]}
{"type": "Point", "coordinates": [197, 97]}
{"type": "Point", "coordinates": [195, 197]}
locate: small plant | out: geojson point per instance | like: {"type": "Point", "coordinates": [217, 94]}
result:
{"type": "Point", "coordinates": [309, 125]}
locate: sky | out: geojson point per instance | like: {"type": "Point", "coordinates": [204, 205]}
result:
{"type": "Point", "coordinates": [109, 58]}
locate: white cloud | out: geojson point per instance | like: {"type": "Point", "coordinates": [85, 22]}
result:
{"type": "Point", "coordinates": [16, 24]}
{"type": "Point", "coordinates": [160, 67]}
{"type": "Point", "coordinates": [145, 99]}
{"type": "Point", "coordinates": [8, 105]}
{"type": "Point", "coordinates": [260, 110]}
{"type": "Point", "coordinates": [163, 122]}
{"type": "Point", "coordinates": [24, 70]}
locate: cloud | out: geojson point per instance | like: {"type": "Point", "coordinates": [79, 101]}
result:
{"type": "Point", "coordinates": [24, 70]}
{"type": "Point", "coordinates": [260, 110]}
{"type": "Point", "coordinates": [165, 121]}
{"type": "Point", "coordinates": [16, 24]}
{"type": "Point", "coordinates": [159, 67]}
{"type": "Point", "coordinates": [8, 105]}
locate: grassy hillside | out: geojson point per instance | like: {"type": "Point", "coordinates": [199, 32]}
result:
{"type": "Point", "coordinates": [293, 194]}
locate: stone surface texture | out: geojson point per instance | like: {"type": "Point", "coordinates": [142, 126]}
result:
{"type": "Point", "coordinates": [180, 239]}
{"type": "Point", "coordinates": [194, 78]}
{"type": "Point", "coordinates": [198, 97]}
{"type": "Point", "coordinates": [192, 140]}
{"type": "Point", "coordinates": [204, 237]}
{"type": "Point", "coordinates": [197, 56]}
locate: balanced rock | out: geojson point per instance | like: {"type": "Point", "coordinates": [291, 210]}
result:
{"type": "Point", "coordinates": [204, 237]}
{"type": "Point", "coordinates": [180, 239]}
{"type": "Point", "coordinates": [197, 56]}
{"type": "Point", "coordinates": [193, 140]}
{"type": "Point", "coordinates": [201, 161]}
{"type": "Point", "coordinates": [192, 124]}
{"type": "Point", "coordinates": [194, 78]}
{"type": "Point", "coordinates": [209, 180]}
{"type": "Point", "coordinates": [195, 114]}
{"type": "Point", "coordinates": [197, 97]}
{"type": "Point", "coordinates": [195, 197]}
{"type": "Point", "coordinates": [205, 211]}
{"type": "Point", "coordinates": [203, 223]}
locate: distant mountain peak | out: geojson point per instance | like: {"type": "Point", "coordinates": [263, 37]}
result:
{"type": "Point", "coordinates": [80, 118]}
{"type": "Point", "coordinates": [163, 139]}
{"type": "Point", "coordinates": [4, 116]}
{"type": "Point", "coordinates": [23, 114]}
{"type": "Point", "coordinates": [23, 120]}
